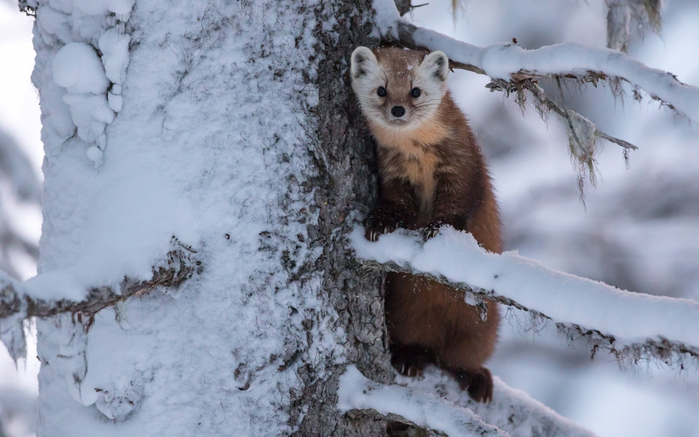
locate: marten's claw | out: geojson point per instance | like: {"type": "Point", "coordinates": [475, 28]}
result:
{"type": "Point", "coordinates": [431, 230]}
{"type": "Point", "coordinates": [380, 221]}
{"type": "Point", "coordinates": [410, 360]}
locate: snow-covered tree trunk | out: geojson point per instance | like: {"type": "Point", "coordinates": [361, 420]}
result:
{"type": "Point", "coordinates": [225, 130]}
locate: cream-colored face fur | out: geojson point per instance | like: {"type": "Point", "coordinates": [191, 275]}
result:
{"type": "Point", "coordinates": [399, 73]}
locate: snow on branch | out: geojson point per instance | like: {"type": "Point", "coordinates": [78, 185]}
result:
{"type": "Point", "coordinates": [632, 326]}
{"type": "Point", "coordinates": [402, 404]}
{"type": "Point", "coordinates": [513, 68]}
{"type": "Point", "coordinates": [19, 302]}
{"type": "Point", "coordinates": [511, 410]}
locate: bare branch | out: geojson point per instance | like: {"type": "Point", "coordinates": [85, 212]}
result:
{"type": "Point", "coordinates": [576, 306]}
{"type": "Point", "coordinates": [411, 407]}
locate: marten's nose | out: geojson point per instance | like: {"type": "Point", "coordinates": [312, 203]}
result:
{"type": "Point", "coordinates": [398, 111]}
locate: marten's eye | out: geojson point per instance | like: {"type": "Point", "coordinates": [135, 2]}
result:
{"type": "Point", "coordinates": [415, 92]}
{"type": "Point", "coordinates": [381, 92]}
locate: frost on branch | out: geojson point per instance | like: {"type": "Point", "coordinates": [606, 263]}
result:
{"type": "Point", "coordinates": [625, 15]}
{"type": "Point", "coordinates": [17, 302]}
{"type": "Point", "coordinates": [631, 326]}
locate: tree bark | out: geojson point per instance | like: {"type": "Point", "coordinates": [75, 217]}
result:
{"type": "Point", "coordinates": [243, 110]}
{"type": "Point", "coordinates": [347, 176]}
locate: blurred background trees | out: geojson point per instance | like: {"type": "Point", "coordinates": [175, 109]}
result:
{"type": "Point", "coordinates": [20, 194]}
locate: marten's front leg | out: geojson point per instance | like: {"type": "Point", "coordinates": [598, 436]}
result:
{"type": "Point", "coordinates": [397, 210]}
{"type": "Point", "coordinates": [454, 204]}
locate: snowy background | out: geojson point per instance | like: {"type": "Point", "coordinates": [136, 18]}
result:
{"type": "Point", "coordinates": [639, 230]}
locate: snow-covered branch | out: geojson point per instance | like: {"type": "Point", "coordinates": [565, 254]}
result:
{"type": "Point", "coordinates": [510, 62]}
{"type": "Point", "coordinates": [19, 301]}
{"type": "Point", "coordinates": [632, 326]}
{"type": "Point", "coordinates": [402, 404]}
{"type": "Point", "coordinates": [511, 410]}
{"type": "Point", "coordinates": [436, 402]}
{"type": "Point", "coordinates": [513, 68]}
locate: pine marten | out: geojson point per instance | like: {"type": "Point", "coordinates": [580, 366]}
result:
{"type": "Point", "coordinates": [432, 173]}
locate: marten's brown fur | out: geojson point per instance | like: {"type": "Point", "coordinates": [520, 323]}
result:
{"type": "Point", "coordinates": [432, 173]}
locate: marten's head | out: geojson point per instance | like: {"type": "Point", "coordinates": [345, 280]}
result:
{"type": "Point", "coordinates": [400, 89]}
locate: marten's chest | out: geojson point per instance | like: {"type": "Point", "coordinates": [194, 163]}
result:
{"type": "Point", "coordinates": [417, 169]}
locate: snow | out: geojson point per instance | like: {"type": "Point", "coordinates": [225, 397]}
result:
{"type": "Point", "coordinates": [436, 401]}
{"type": "Point", "coordinates": [115, 54]}
{"type": "Point", "coordinates": [386, 18]}
{"type": "Point", "coordinates": [423, 409]}
{"type": "Point", "coordinates": [629, 317]}
{"type": "Point", "coordinates": [53, 286]}
{"type": "Point", "coordinates": [90, 114]}
{"type": "Point", "coordinates": [102, 7]}
{"type": "Point", "coordinates": [511, 410]}
{"type": "Point", "coordinates": [77, 68]}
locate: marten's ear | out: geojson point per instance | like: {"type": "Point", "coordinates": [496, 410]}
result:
{"type": "Point", "coordinates": [436, 65]}
{"type": "Point", "coordinates": [363, 62]}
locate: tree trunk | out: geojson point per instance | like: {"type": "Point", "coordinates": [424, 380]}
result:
{"type": "Point", "coordinates": [238, 135]}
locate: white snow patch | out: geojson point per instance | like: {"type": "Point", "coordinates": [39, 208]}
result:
{"type": "Point", "coordinates": [386, 18]}
{"type": "Point", "coordinates": [53, 22]}
{"type": "Point", "coordinates": [115, 54]}
{"type": "Point", "coordinates": [103, 7]}
{"type": "Point", "coordinates": [115, 101]}
{"type": "Point", "coordinates": [90, 114]}
{"type": "Point", "coordinates": [77, 68]}
{"type": "Point", "coordinates": [65, 6]}
{"type": "Point", "coordinates": [95, 155]}
{"type": "Point", "coordinates": [54, 286]}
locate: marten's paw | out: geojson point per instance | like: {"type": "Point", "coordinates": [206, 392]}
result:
{"type": "Point", "coordinates": [479, 383]}
{"type": "Point", "coordinates": [431, 230]}
{"type": "Point", "coordinates": [411, 360]}
{"type": "Point", "coordinates": [380, 221]}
